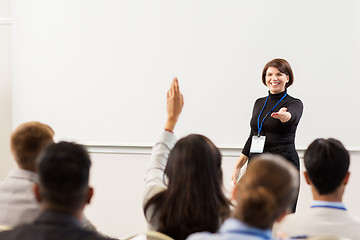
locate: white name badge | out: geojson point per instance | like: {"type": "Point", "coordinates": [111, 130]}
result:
{"type": "Point", "coordinates": [257, 144]}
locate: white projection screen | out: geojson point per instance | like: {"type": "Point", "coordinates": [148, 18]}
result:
{"type": "Point", "coordinates": [97, 71]}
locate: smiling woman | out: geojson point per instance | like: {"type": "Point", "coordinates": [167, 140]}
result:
{"type": "Point", "coordinates": [276, 80]}
{"type": "Point", "coordinates": [274, 133]}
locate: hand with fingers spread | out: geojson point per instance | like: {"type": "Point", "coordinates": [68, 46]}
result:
{"type": "Point", "coordinates": [175, 103]}
{"type": "Point", "coordinates": [282, 115]}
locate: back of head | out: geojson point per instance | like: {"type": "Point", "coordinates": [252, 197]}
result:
{"type": "Point", "coordinates": [327, 163]}
{"type": "Point", "coordinates": [266, 190]}
{"type": "Point", "coordinates": [193, 162]}
{"type": "Point", "coordinates": [194, 200]}
{"type": "Point", "coordinates": [64, 176]}
{"type": "Point", "coordinates": [28, 140]}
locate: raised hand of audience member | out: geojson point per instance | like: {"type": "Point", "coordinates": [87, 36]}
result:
{"type": "Point", "coordinates": [175, 103]}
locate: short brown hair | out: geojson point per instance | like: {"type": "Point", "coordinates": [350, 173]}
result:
{"type": "Point", "coordinates": [283, 66]}
{"type": "Point", "coordinates": [266, 191]}
{"type": "Point", "coordinates": [28, 140]}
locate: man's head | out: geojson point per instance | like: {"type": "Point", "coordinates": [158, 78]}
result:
{"type": "Point", "coordinates": [327, 163]}
{"type": "Point", "coordinates": [64, 177]}
{"type": "Point", "coordinates": [28, 140]}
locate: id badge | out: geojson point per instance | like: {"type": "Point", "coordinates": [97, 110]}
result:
{"type": "Point", "coordinates": [257, 144]}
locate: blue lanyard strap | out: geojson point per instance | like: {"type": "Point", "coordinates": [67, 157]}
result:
{"type": "Point", "coordinates": [262, 235]}
{"type": "Point", "coordinates": [328, 206]}
{"type": "Point", "coordinates": [258, 121]}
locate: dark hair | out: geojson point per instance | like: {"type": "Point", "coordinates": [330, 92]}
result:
{"type": "Point", "coordinates": [64, 175]}
{"type": "Point", "coordinates": [28, 140]}
{"type": "Point", "coordinates": [194, 200]}
{"type": "Point", "coordinates": [267, 190]}
{"type": "Point", "coordinates": [283, 66]}
{"type": "Point", "coordinates": [327, 163]}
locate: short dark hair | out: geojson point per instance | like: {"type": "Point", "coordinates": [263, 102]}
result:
{"type": "Point", "coordinates": [283, 66]}
{"type": "Point", "coordinates": [327, 163]}
{"type": "Point", "coordinates": [27, 142]}
{"type": "Point", "coordinates": [64, 175]}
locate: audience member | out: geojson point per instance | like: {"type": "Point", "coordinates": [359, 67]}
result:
{"type": "Point", "coordinates": [264, 195]}
{"type": "Point", "coordinates": [17, 201]}
{"type": "Point", "coordinates": [184, 189]}
{"type": "Point", "coordinates": [63, 191]}
{"type": "Point", "coordinates": [327, 163]}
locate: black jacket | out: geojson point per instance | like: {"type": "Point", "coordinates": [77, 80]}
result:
{"type": "Point", "coordinates": [51, 225]}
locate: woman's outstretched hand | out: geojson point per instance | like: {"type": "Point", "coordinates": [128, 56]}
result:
{"type": "Point", "coordinates": [282, 115]}
{"type": "Point", "coordinates": [175, 103]}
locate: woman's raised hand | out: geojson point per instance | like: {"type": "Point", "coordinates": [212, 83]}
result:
{"type": "Point", "coordinates": [175, 103]}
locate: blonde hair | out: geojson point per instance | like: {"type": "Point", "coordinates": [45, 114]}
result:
{"type": "Point", "coordinates": [266, 190]}
{"type": "Point", "coordinates": [28, 140]}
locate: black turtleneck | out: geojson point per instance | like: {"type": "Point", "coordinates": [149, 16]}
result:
{"type": "Point", "coordinates": [276, 132]}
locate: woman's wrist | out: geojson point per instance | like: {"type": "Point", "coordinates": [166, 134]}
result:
{"type": "Point", "coordinates": [168, 130]}
{"type": "Point", "coordinates": [170, 125]}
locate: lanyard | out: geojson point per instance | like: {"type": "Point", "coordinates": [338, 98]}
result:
{"type": "Point", "coordinates": [258, 121]}
{"type": "Point", "coordinates": [262, 235]}
{"type": "Point", "coordinates": [328, 206]}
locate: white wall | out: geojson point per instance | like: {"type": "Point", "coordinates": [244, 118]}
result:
{"type": "Point", "coordinates": [6, 162]}
{"type": "Point", "coordinates": [114, 60]}
{"type": "Point", "coordinates": [118, 180]}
